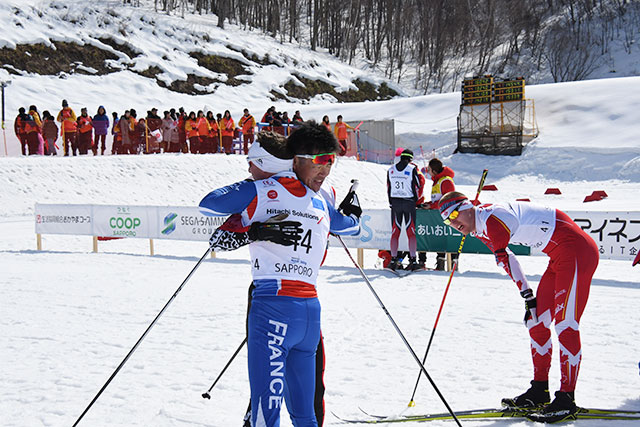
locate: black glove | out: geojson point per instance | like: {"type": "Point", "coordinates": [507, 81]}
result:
{"type": "Point", "coordinates": [530, 305]}
{"type": "Point", "coordinates": [284, 233]}
{"type": "Point", "coordinates": [225, 240]}
{"type": "Point", "coordinates": [351, 205]}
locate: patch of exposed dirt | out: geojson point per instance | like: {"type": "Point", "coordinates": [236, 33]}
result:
{"type": "Point", "coordinates": [219, 64]}
{"type": "Point", "coordinates": [187, 86]}
{"type": "Point", "coordinates": [124, 48]}
{"type": "Point", "coordinates": [151, 72]}
{"type": "Point", "coordinates": [44, 60]}
{"type": "Point", "coordinates": [366, 91]}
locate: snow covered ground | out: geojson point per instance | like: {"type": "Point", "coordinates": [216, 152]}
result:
{"type": "Point", "coordinates": [70, 316]}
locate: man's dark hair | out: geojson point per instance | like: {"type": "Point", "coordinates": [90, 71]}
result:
{"type": "Point", "coordinates": [21, 110]}
{"type": "Point", "coordinates": [312, 138]}
{"type": "Point", "coordinates": [275, 144]}
{"type": "Point", "coordinates": [436, 165]}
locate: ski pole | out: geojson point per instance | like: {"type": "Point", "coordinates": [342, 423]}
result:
{"type": "Point", "coordinates": [413, 353]}
{"type": "Point", "coordinates": [446, 290]}
{"type": "Point", "coordinates": [142, 337]}
{"type": "Point", "coordinates": [206, 394]}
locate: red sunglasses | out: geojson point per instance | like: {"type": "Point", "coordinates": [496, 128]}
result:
{"type": "Point", "coordinates": [320, 159]}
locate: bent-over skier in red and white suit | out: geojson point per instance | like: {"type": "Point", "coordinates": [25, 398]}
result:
{"type": "Point", "coordinates": [561, 295]}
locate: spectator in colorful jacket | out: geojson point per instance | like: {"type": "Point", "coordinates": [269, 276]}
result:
{"type": "Point", "coordinates": [268, 115]}
{"type": "Point", "coordinates": [214, 133]}
{"type": "Point", "coordinates": [191, 129]}
{"type": "Point", "coordinates": [68, 127]}
{"type": "Point", "coordinates": [85, 128]}
{"type": "Point", "coordinates": [297, 118]}
{"type": "Point", "coordinates": [18, 127]}
{"type": "Point", "coordinates": [286, 123]}
{"type": "Point", "coordinates": [442, 177]}
{"type": "Point", "coordinates": [49, 134]}
{"type": "Point", "coordinates": [340, 130]}
{"type": "Point", "coordinates": [32, 128]}
{"type": "Point", "coordinates": [116, 145]}
{"type": "Point", "coordinates": [227, 126]}
{"type": "Point", "coordinates": [170, 134]}
{"type": "Point", "coordinates": [100, 129]}
{"type": "Point", "coordinates": [248, 125]}
{"type": "Point", "coordinates": [182, 133]}
{"type": "Point", "coordinates": [126, 125]}
{"type": "Point", "coordinates": [326, 123]}
{"type": "Point", "coordinates": [204, 130]}
{"type": "Point", "coordinates": [135, 135]}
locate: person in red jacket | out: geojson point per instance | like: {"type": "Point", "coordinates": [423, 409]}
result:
{"type": "Point", "coordinates": [227, 126]}
{"type": "Point", "coordinates": [442, 177]}
{"type": "Point", "coordinates": [116, 145]}
{"type": "Point", "coordinates": [248, 125]}
{"type": "Point", "coordinates": [340, 130]}
{"type": "Point", "coordinates": [561, 295]}
{"type": "Point", "coordinates": [182, 132]}
{"type": "Point", "coordinates": [85, 132]}
{"type": "Point", "coordinates": [32, 128]}
{"type": "Point", "coordinates": [18, 127]}
{"type": "Point", "coordinates": [214, 133]}
{"type": "Point", "coordinates": [68, 127]}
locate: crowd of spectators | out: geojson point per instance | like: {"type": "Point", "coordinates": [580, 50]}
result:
{"type": "Point", "coordinates": [174, 132]}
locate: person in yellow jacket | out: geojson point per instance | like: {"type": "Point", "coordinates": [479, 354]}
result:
{"type": "Point", "coordinates": [340, 130]}
{"type": "Point", "coordinates": [68, 125]}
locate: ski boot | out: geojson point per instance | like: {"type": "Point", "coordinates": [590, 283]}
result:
{"type": "Point", "coordinates": [393, 265]}
{"type": "Point", "coordinates": [536, 397]}
{"type": "Point", "coordinates": [422, 259]}
{"type": "Point", "coordinates": [413, 266]}
{"type": "Point", "coordinates": [562, 408]}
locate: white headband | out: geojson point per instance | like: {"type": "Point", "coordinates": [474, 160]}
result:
{"type": "Point", "coordinates": [266, 161]}
{"type": "Point", "coordinates": [454, 205]}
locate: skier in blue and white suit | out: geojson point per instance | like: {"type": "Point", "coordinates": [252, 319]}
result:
{"type": "Point", "coordinates": [284, 320]}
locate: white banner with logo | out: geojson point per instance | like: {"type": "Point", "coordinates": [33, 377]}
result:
{"type": "Point", "coordinates": [617, 234]}
{"type": "Point", "coordinates": [375, 232]}
{"type": "Point", "coordinates": [185, 223]}
{"type": "Point", "coordinates": [63, 219]}
{"type": "Point", "coordinates": [124, 221]}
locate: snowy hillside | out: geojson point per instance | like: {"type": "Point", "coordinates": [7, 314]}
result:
{"type": "Point", "coordinates": [135, 57]}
